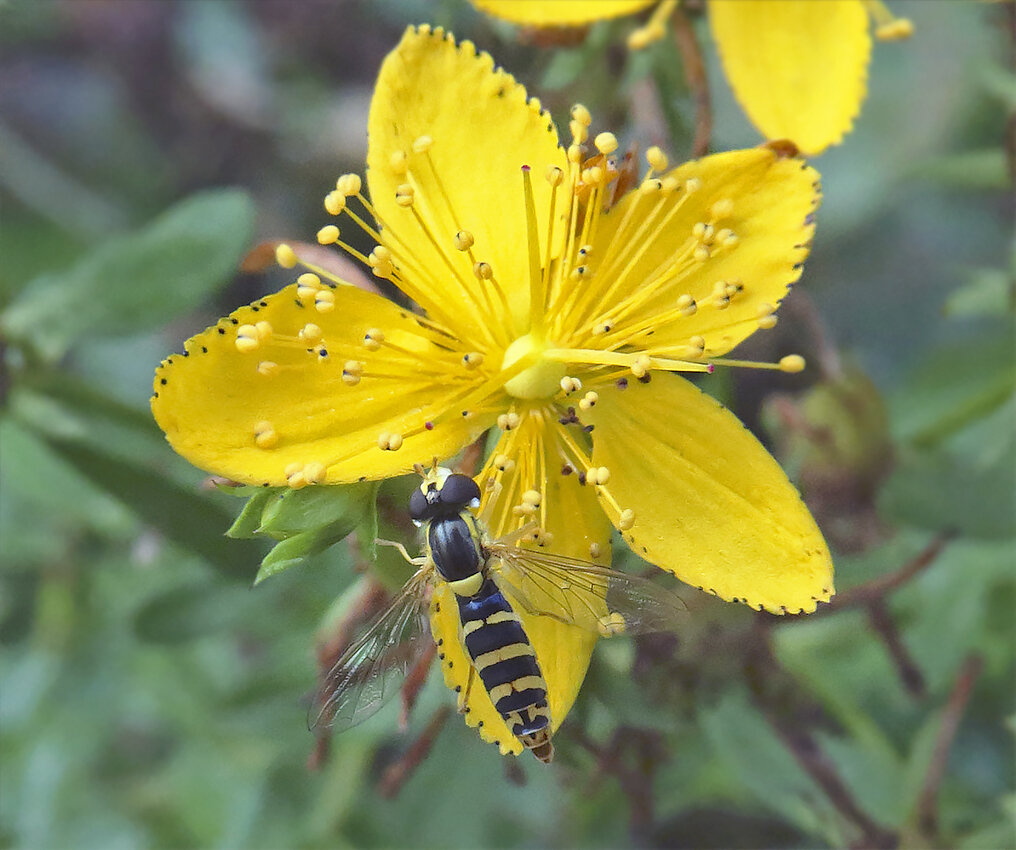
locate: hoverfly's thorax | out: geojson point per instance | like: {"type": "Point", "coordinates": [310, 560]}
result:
{"type": "Point", "coordinates": [456, 551]}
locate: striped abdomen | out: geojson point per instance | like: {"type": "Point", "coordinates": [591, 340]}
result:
{"type": "Point", "coordinates": [506, 663]}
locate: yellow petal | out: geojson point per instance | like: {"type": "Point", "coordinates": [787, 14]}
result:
{"type": "Point", "coordinates": [257, 415]}
{"type": "Point", "coordinates": [560, 13]}
{"type": "Point", "coordinates": [576, 521]}
{"type": "Point", "coordinates": [710, 504]}
{"type": "Point", "coordinates": [758, 206]}
{"type": "Point", "coordinates": [799, 69]}
{"type": "Point", "coordinates": [478, 128]}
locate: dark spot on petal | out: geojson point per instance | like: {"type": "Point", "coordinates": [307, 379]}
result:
{"type": "Point", "coordinates": [164, 382]}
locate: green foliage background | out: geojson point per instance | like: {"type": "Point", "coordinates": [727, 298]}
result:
{"type": "Point", "coordinates": [151, 698]}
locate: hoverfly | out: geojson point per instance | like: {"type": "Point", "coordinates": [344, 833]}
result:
{"type": "Point", "coordinates": [492, 580]}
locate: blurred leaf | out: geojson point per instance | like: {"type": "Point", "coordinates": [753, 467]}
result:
{"type": "Point", "coordinates": [192, 611]}
{"type": "Point", "coordinates": [138, 281]}
{"type": "Point", "coordinates": [988, 292]}
{"type": "Point", "coordinates": [954, 387]}
{"type": "Point", "coordinates": [935, 491]}
{"type": "Point", "coordinates": [981, 169]}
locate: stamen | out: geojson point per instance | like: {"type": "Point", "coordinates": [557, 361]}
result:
{"type": "Point", "coordinates": [887, 26]}
{"type": "Point", "coordinates": [537, 292]}
{"type": "Point", "coordinates": [791, 364]}
{"type": "Point", "coordinates": [335, 202]}
{"type": "Point", "coordinates": [613, 358]}
{"type": "Point", "coordinates": [265, 436]}
{"type": "Point", "coordinates": [654, 29]}
{"type": "Point", "coordinates": [285, 256]}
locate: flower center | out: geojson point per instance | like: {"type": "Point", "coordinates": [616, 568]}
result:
{"type": "Point", "coordinates": [542, 379]}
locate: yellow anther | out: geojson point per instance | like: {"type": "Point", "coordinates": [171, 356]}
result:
{"type": "Point", "coordinates": [595, 550]}
{"type": "Point", "coordinates": [523, 510]}
{"type": "Point", "coordinates": [589, 400]}
{"type": "Point", "coordinates": [328, 235]}
{"type": "Point", "coordinates": [247, 338]}
{"type": "Point", "coordinates": [580, 273]}
{"type": "Point", "coordinates": [641, 365]}
{"type": "Point", "coordinates": [509, 421]}
{"type": "Point", "coordinates": [696, 345]}
{"type": "Point", "coordinates": [309, 279]}
{"type": "Point", "coordinates": [598, 475]}
{"type": "Point", "coordinates": [373, 339]}
{"type": "Point", "coordinates": [554, 175]}
{"type": "Point", "coordinates": [324, 301]}
{"type": "Point", "coordinates": [581, 114]}
{"type": "Point", "coordinates": [265, 436]}
{"type": "Point", "coordinates": [764, 309]}
{"type": "Point", "coordinates": [294, 476]}
{"type": "Point", "coordinates": [575, 153]}
{"type": "Point", "coordinates": [644, 36]}
{"type": "Point", "coordinates": [504, 463]}
{"type": "Point", "coordinates": [382, 253]}
{"type": "Point", "coordinates": [532, 497]}
{"type": "Point", "coordinates": [314, 472]}
{"type": "Point", "coordinates": [687, 305]}
{"type": "Point", "coordinates": [767, 322]}
{"type": "Point", "coordinates": [264, 330]}
{"type": "Point", "coordinates": [895, 30]}
{"type": "Point", "coordinates": [670, 185]}
{"type": "Point", "coordinates": [571, 385]}
{"type": "Point", "coordinates": [472, 360]}
{"type": "Point", "coordinates": [483, 271]}
{"type": "Point", "coordinates": [422, 144]}
{"type": "Point", "coordinates": [399, 163]}
{"type": "Point", "coordinates": [464, 240]}
{"type": "Point", "coordinates": [723, 234]}
{"type": "Point", "coordinates": [285, 256]}
{"type": "Point", "coordinates": [593, 176]}
{"type": "Point", "coordinates": [579, 132]}
{"type": "Point", "coordinates": [311, 333]}
{"type": "Point", "coordinates": [657, 159]}
{"type": "Point", "coordinates": [701, 253]}
{"type": "Point", "coordinates": [405, 194]}
{"type": "Point", "coordinates": [792, 363]}
{"type": "Point", "coordinates": [604, 327]}
{"type": "Point", "coordinates": [626, 520]}
{"type": "Point", "coordinates": [651, 186]}
{"type": "Point", "coordinates": [606, 143]}
{"type": "Point", "coordinates": [612, 624]}
{"type": "Point", "coordinates": [702, 231]}
{"type": "Point", "coordinates": [692, 184]}
{"type": "Point", "coordinates": [335, 202]}
{"type": "Point", "coordinates": [267, 367]}
{"type": "Point", "coordinates": [722, 208]}
{"type": "Point", "coordinates": [349, 184]}
{"type": "Point", "coordinates": [389, 442]}
{"type": "Point", "coordinates": [585, 250]}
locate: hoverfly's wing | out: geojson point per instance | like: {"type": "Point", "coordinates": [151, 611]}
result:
{"type": "Point", "coordinates": [371, 669]}
{"type": "Point", "coordinates": [579, 593]}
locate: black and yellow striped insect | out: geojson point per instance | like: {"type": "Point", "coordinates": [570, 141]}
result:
{"type": "Point", "coordinates": [492, 580]}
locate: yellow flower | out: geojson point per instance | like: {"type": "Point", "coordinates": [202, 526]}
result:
{"type": "Point", "coordinates": [798, 67]}
{"type": "Point", "coordinates": [558, 323]}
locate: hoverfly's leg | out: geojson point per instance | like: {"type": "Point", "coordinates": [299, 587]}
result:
{"type": "Point", "coordinates": [463, 700]}
{"type": "Point", "coordinates": [416, 562]}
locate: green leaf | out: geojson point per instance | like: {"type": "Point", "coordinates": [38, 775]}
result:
{"type": "Point", "coordinates": [293, 512]}
{"type": "Point", "coordinates": [935, 491]}
{"type": "Point", "coordinates": [295, 550]}
{"type": "Point", "coordinates": [247, 524]}
{"type": "Point", "coordinates": [138, 281]}
{"type": "Point", "coordinates": [988, 292]}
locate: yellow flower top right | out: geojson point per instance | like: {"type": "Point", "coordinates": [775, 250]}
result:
{"type": "Point", "coordinates": [798, 68]}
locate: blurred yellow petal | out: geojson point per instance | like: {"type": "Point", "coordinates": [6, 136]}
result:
{"type": "Point", "coordinates": [710, 504]}
{"type": "Point", "coordinates": [799, 69]}
{"type": "Point", "coordinates": [552, 13]}
{"type": "Point", "coordinates": [711, 257]}
{"type": "Point", "coordinates": [570, 514]}
{"type": "Point", "coordinates": [441, 108]}
{"type": "Point", "coordinates": [283, 411]}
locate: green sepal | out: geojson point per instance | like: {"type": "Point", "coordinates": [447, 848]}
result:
{"type": "Point", "coordinates": [293, 512]}
{"type": "Point", "coordinates": [246, 525]}
{"type": "Point", "coordinates": [294, 550]}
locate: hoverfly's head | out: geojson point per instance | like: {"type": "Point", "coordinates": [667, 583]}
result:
{"type": "Point", "coordinates": [443, 493]}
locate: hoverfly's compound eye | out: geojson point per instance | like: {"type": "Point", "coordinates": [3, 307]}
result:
{"type": "Point", "coordinates": [459, 490]}
{"type": "Point", "coordinates": [419, 507]}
